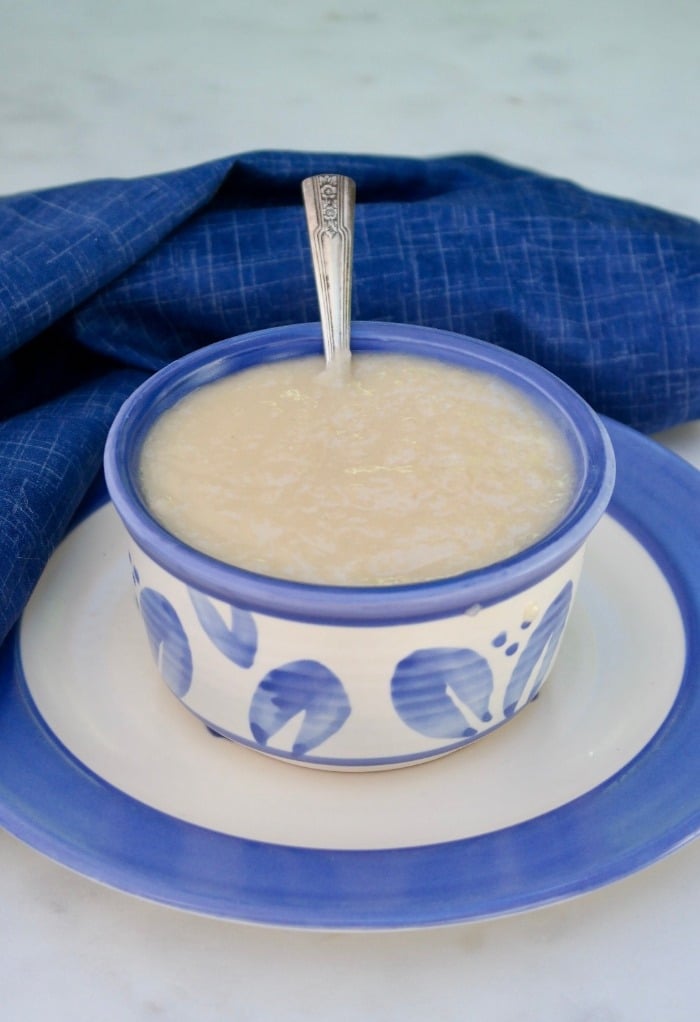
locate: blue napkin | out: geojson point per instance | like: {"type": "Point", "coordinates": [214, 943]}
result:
{"type": "Point", "coordinates": [103, 282]}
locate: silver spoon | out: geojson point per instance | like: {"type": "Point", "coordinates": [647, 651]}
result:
{"type": "Point", "coordinates": [329, 201]}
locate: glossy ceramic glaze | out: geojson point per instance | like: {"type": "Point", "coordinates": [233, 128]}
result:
{"type": "Point", "coordinates": [356, 678]}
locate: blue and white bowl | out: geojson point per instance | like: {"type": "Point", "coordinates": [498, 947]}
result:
{"type": "Point", "coordinates": [347, 677]}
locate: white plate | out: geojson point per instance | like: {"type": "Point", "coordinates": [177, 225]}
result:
{"type": "Point", "coordinates": [101, 768]}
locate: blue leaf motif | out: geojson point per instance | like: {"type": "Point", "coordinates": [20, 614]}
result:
{"type": "Point", "coordinates": [425, 684]}
{"type": "Point", "coordinates": [543, 640]}
{"type": "Point", "coordinates": [169, 645]}
{"type": "Point", "coordinates": [300, 686]}
{"type": "Point", "coordinates": [238, 640]}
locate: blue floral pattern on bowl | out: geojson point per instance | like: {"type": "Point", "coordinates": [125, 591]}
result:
{"type": "Point", "coordinates": [169, 643]}
{"type": "Point", "coordinates": [432, 698]}
{"type": "Point", "coordinates": [237, 639]}
{"type": "Point", "coordinates": [431, 688]}
{"type": "Point", "coordinates": [305, 688]}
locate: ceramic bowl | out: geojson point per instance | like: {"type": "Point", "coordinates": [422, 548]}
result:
{"type": "Point", "coordinates": [346, 677]}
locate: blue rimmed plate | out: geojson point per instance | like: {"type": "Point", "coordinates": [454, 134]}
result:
{"type": "Point", "coordinates": [102, 770]}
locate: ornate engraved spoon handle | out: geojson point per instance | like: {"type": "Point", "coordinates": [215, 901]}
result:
{"type": "Point", "coordinates": [329, 201]}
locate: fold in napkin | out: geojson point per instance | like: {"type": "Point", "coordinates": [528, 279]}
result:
{"type": "Point", "coordinates": [103, 282]}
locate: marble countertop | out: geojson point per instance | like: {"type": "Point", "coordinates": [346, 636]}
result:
{"type": "Point", "coordinates": [599, 93]}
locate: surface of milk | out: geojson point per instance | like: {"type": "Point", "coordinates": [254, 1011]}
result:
{"type": "Point", "coordinates": [404, 469]}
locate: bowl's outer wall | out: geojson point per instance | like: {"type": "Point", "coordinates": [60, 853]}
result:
{"type": "Point", "coordinates": [352, 696]}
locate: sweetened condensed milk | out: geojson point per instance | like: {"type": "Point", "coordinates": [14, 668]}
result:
{"type": "Point", "coordinates": [401, 469]}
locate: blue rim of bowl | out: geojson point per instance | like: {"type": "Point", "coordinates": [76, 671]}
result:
{"type": "Point", "coordinates": [354, 605]}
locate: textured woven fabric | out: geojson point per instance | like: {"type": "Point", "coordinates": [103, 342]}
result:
{"type": "Point", "coordinates": [106, 281]}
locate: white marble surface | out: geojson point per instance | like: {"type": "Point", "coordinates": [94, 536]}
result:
{"type": "Point", "coordinates": [602, 93]}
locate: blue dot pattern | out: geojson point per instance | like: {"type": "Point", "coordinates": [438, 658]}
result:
{"type": "Point", "coordinates": [541, 646]}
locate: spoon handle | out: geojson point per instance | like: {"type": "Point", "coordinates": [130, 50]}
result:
{"type": "Point", "coordinates": [329, 201]}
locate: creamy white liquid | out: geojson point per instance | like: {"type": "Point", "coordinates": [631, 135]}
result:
{"type": "Point", "coordinates": [406, 470]}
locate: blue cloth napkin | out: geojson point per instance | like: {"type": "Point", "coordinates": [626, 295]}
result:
{"type": "Point", "coordinates": [103, 282]}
